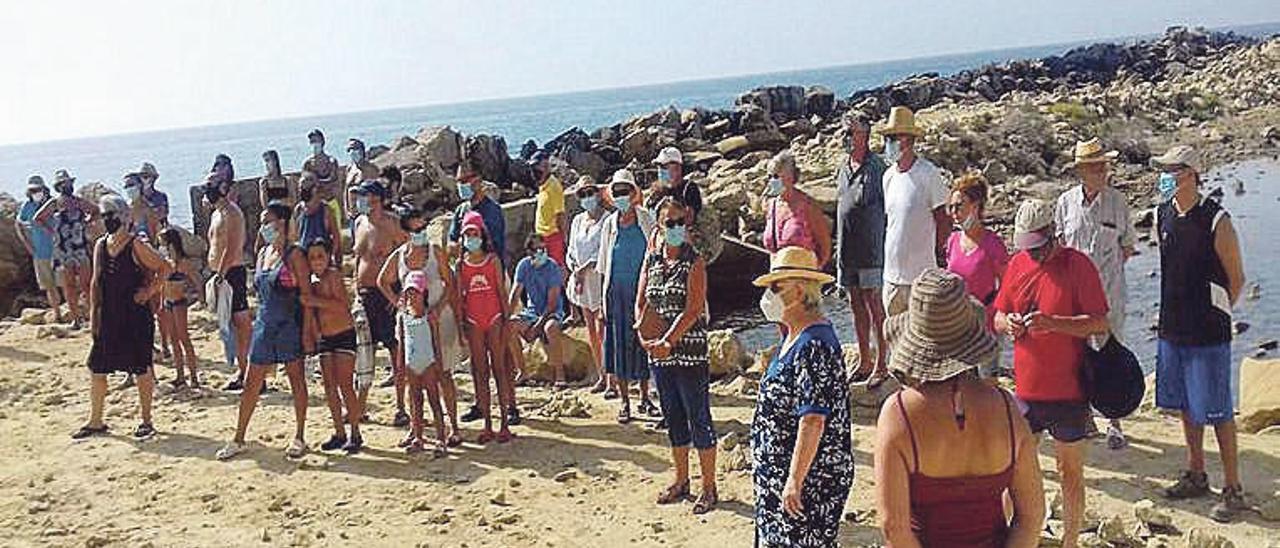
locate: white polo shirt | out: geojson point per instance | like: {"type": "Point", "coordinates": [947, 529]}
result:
{"type": "Point", "coordinates": [910, 237]}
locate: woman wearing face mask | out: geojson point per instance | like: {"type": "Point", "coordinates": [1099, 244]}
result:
{"type": "Point", "coordinates": [443, 303]}
{"type": "Point", "coordinates": [974, 252]}
{"type": "Point", "coordinates": [69, 216]}
{"type": "Point", "coordinates": [791, 216]}
{"type": "Point", "coordinates": [800, 435]}
{"type": "Point", "coordinates": [315, 221]}
{"type": "Point", "coordinates": [674, 283]}
{"type": "Point", "coordinates": [585, 283]}
{"type": "Point", "coordinates": [127, 274]}
{"type": "Point", "coordinates": [282, 279]}
{"type": "Point", "coordinates": [623, 241]}
{"type": "Point", "coordinates": [274, 186]}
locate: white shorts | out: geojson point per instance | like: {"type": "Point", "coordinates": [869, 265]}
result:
{"type": "Point", "coordinates": [44, 274]}
{"type": "Point", "coordinates": [590, 293]}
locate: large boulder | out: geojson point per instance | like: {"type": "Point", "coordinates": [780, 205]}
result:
{"type": "Point", "coordinates": [819, 100]}
{"type": "Point", "coordinates": [578, 365]}
{"type": "Point", "coordinates": [441, 144]}
{"type": "Point", "coordinates": [16, 274]}
{"type": "Point", "coordinates": [788, 101]}
{"type": "Point", "coordinates": [488, 153]}
{"type": "Point", "coordinates": [740, 145]}
{"type": "Point", "coordinates": [1259, 394]}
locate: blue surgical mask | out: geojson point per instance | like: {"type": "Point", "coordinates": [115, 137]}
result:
{"type": "Point", "coordinates": [664, 175]}
{"type": "Point", "coordinates": [892, 150]}
{"type": "Point", "coordinates": [133, 193]}
{"type": "Point", "coordinates": [676, 235]}
{"type": "Point", "coordinates": [356, 156]}
{"type": "Point", "coordinates": [774, 187]}
{"type": "Point", "coordinates": [317, 148]}
{"type": "Point", "coordinates": [362, 205]}
{"type": "Point", "coordinates": [623, 203]}
{"type": "Point", "coordinates": [540, 257]}
{"type": "Point", "coordinates": [465, 191]}
{"type": "Point", "coordinates": [269, 234]}
{"type": "Point", "coordinates": [1167, 185]}
{"type": "Point", "coordinates": [419, 238]}
{"type": "Point", "coordinates": [590, 203]}
{"type": "Point", "coordinates": [472, 243]}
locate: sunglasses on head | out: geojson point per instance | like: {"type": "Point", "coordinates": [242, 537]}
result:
{"type": "Point", "coordinates": [672, 223]}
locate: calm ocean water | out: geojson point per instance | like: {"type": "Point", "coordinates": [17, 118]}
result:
{"type": "Point", "coordinates": [183, 156]}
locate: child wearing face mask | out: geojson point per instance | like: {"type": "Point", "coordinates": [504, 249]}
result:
{"type": "Point", "coordinates": [482, 286]}
{"type": "Point", "coordinates": [417, 329]}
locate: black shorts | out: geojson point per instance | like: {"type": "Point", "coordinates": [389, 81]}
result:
{"type": "Point", "coordinates": [1066, 421]}
{"type": "Point", "coordinates": [341, 343]}
{"type": "Point", "coordinates": [382, 319]}
{"type": "Point", "coordinates": [237, 278]}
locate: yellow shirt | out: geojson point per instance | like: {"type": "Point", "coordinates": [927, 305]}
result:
{"type": "Point", "coordinates": [550, 204]}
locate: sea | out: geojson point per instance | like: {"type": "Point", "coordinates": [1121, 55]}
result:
{"type": "Point", "coordinates": [183, 156]}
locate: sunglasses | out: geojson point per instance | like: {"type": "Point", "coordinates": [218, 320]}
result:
{"type": "Point", "coordinates": [672, 223]}
{"type": "Point", "coordinates": [586, 193]}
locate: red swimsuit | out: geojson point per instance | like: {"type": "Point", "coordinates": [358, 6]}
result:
{"type": "Point", "coordinates": [480, 291]}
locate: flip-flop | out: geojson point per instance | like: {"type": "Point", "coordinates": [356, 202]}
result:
{"type": "Point", "coordinates": [296, 449]}
{"type": "Point", "coordinates": [674, 493]}
{"type": "Point", "coordinates": [706, 502]}
{"type": "Point", "coordinates": [89, 431]}
{"type": "Point", "coordinates": [875, 381]}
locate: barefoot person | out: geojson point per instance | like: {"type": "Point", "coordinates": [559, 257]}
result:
{"type": "Point", "coordinates": [1050, 302]}
{"type": "Point", "coordinates": [483, 287]}
{"type": "Point", "coordinates": [37, 238]}
{"type": "Point", "coordinates": [335, 333]}
{"type": "Point", "coordinates": [1201, 275]}
{"type": "Point", "coordinates": [949, 446]}
{"type": "Point", "coordinates": [540, 314]}
{"type": "Point", "coordinates": [378, 233]}
{"type": "Point", "coordinates": [674, 283]}
{"type": "Point", "coordinates": [416, 329]}
{"type": "Point", "coordinates": [226, 259]}
{"type": "Point", "coordinates": [328, 187]}
{"type": "Point", "coordinates": [800, 434]}
{"type": "Point", "coordinates": [624, 240]}
{"type": "Point", "coordinates": [69, 216]}
{"type": "Point", "coordinates": [859, 249]}
{"type": "Point", "coordinates": [175, 300]}
{"type": "Point", "coordinates": [127, 274]}
{"type": "Point", "coordinates": [443, 301]}
{"type": "Point", "coordinates": [281, 278]}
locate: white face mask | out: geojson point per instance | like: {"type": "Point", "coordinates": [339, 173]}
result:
{"type": "Point", "coordinates": [892, 150]}
{"type": "Point", "coordinates": [771, 305]}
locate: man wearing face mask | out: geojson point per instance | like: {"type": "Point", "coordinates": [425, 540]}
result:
{"type": "Point", "coordinates": [226, 259]}
{"type": "Point", "coordinates": [358, 171]}
{"type": "Point", "coordinates": [1201, 276]}
{"type": "Point", "coordinates": [1094, 218]}
{"type": "Point", "coordinates": [69, 216]}
{"type": "Point", "coordinates": [377, 234]}
{"type": "Point", "coordinates": [471, 192]}
{"type": "Point", "coordinates": [540, 314]}
{"type": "Point", "coordinates": [671, 182]}
{"type": "Point", "coordinates": [314, 217]}
{"type": "Point", "coordinates": [157, 201]}
{"type": "Point", "coordinates": [37, 238]}
{"type": "Point", "coordinates": [1050, 301]}
{"type": "Point", "coordinates": [549, 217]}
{"type": "Point", "coordinates": [915, 199]}
{"type": "Point", "coordinates": [325, 169]}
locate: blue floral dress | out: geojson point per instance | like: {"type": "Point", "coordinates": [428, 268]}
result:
{"type": "Point", "coordinates": [808, 378]}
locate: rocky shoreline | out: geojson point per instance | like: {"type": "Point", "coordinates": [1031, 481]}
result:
{"type": "Point", "coordinates": [1014, 122]}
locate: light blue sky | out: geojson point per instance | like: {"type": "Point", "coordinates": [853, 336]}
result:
{"type": "Point", "coordinates": [96, 67]}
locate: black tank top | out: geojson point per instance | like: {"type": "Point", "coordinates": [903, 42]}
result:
{"type": "Point", "coordinates": [1195, 307]}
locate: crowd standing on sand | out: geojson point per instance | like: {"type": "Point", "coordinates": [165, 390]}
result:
{"type": "Point", "coordinates": [934, 293]}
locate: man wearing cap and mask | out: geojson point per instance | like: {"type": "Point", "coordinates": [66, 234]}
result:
{"type": "Point", "coordinates": [1094, 218]}
{"type": "Point", "coordinates": [156, 200]}
{"type": "Point", "coordinates": [69, 216]}
{"type": "Point", "coordinates": [1201, 276]}
{"type": "Point", "coordinates": [358, 171]}
{"type": "Point", "coordinates": [471, 192]}
{"type": "Point", "coordinates": [915, 199]}
{"type": "Point", "coordinates": [377, 234]}
{"type": "Point", "coordinates": [1050, 301]}
{"type": "Point", "coordinates": [325, 168]}
{"type": "Point", "coordinates": [549, 217]}
{"type": "Point", "coordinates": [670, 162]}
{"type": "Point", "coordinates": [37, 238]}
{"type": "Point", "coordinates": [227, 259]}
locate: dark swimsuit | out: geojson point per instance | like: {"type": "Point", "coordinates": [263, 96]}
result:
{"type": "Point", "coordinates": [177, 277]}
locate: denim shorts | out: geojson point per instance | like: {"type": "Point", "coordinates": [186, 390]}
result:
{"type": "Point", "coordinates": [1195, 379]}
{"type": "Point", "coordinates": [686, 403]}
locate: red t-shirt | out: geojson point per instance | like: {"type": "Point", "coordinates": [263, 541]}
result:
{"type": "Point", "coordinates": [1047, 365]}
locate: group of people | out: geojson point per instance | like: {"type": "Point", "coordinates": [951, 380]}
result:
{"type": "Point", "coordinates": [933, 292]}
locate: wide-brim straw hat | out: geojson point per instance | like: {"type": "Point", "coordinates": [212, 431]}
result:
{"type": "Point", "coordinates": [901, 122]}
{"type": "Point", "coordinates": [942, 334]}
{"type": "Point", "coordinates": [792, 263]}
{"type": "Point", "coordinates": [1091, 152]}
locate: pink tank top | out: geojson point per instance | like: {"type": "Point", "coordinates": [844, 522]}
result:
{"type": "Point", "coordinates": [792, 230]}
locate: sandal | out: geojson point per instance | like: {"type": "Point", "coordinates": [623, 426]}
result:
{"type": "Point", "coordinates": [454, 440]}
{"type": "Point", "coordinates": [598, 387]}
{"type": "Point", "coordinates": [648, 408]}
{"type": "Point", "coordinates": [860, 376]}
{"type": "Point", "coordinates": [230, 450]}
{"type": "Point", "coordinates": [144, 431]}
{"type": "Point", "coordinates": [674, 493]}
{"type": "Point", "coordinates": [89, 431]}
{"type": "Point", "coordinates": [178, 383]}
{"type": "Point", "coordinates": [407, 441]}
{"type": "Point", "coordinates": [611, 394]}
{"type": "Point", "coordinates": [706, 502]}
{"type": "Point", "coordinates": [297, 448]}
{"type": "Point", "coordinates": [624, 415]}
{"type": "Point", "coordinates": [874, 381]}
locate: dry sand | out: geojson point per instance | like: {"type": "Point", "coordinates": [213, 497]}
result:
{"type": "Point", "coordinates": [169, 491]}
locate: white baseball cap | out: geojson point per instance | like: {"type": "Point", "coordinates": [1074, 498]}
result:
{"type": "Point", "coordinates": [1029, 224]}
{"type": "Point", "coordinates": [669, 155]}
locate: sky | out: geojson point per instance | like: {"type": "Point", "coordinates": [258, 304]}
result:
{"type": "Point", "coordinates": [83, 68]}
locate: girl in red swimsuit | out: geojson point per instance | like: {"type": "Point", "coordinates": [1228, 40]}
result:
{"type": "Point", "coordinates": [482, 285]}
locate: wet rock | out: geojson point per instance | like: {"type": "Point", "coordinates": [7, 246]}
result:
{"type": "Point", "coordinates": [1240, 327]}
{"type": "Point", "coordinates": [1269, 344]}
{"type": "Point", "coordinates": [788, 101]}
{"type": "Point", "coordinates": [1203, 538]}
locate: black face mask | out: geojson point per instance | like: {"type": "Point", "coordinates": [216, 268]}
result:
{"type": "Point", "coordinates": [112, 223]}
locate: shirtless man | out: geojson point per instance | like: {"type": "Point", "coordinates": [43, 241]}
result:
{"type": "Point", "coordinates": [226, 259]}
{"type": "Point", "coordinates": [359, 171]}
{"type": "Point", "coordinates": [331, 304]}
{"type": "Point", "coordinates": [378, 233]}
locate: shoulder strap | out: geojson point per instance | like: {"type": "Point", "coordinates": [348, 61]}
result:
{"type": "Point", "coordinates": [1008, 415]}
{"type": "Point", "coordinates": [915, 454]}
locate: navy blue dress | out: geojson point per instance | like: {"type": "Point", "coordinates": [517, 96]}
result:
{"type": "Point", "coordinates": [808, 378]}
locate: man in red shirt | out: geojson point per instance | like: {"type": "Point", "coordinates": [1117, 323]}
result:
{"type": "Point", "coordinates": [1050, 301]}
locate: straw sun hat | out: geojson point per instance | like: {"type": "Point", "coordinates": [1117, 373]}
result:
{"type": "Point", "coordinates": [901, 122]}
{"type": "Point", "coordinates": [790, 263]}
{"type": "Point", "coordinates": [943, 332]}
{"type": "Point", "coordinates": [1091, 152]}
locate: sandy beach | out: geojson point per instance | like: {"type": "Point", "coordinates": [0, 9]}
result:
{"type": "Point", "coordinates": [563, 482]}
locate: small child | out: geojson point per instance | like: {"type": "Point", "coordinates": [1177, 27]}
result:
{"type": "Point", "coordinates": [174, 307]}
{"type": "Point", "coordinates": [417, 331]}
{"type": "Point", "coordinates": [482, 285]}
{"type": "Point", "coordinates": [335, 337]}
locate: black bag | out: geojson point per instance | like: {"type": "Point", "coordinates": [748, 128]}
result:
{"type": "Point", "coordinates": [1112, 379]}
